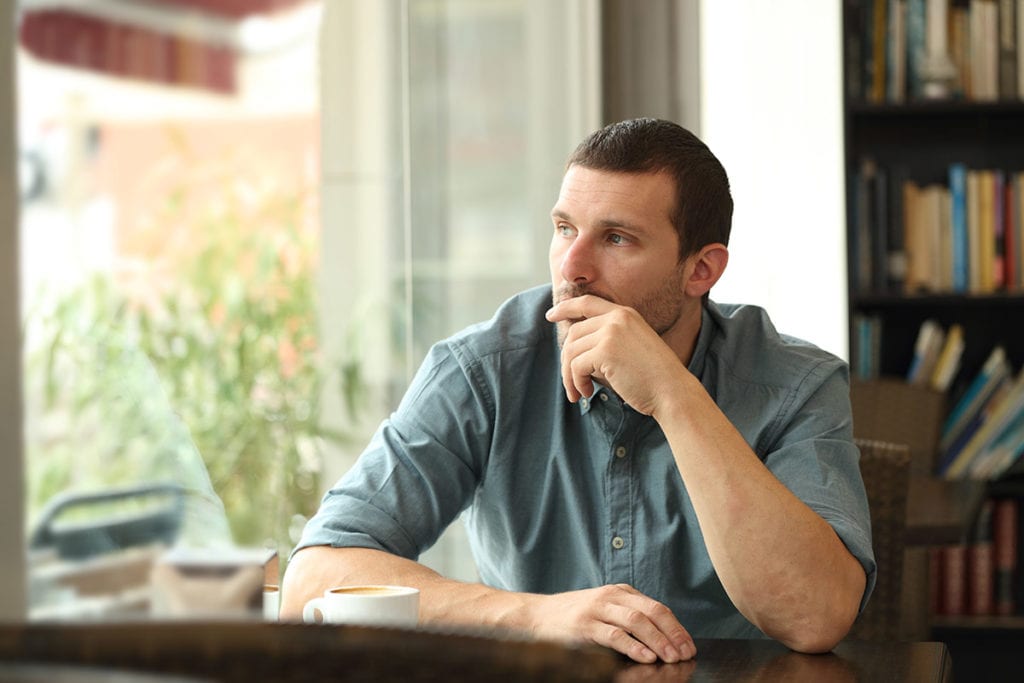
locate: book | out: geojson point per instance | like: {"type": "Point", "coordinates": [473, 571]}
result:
{"type": "Point", "coordinates": [942, 249]}
{"type": "Point", "coordinates": [999, 233]}
{"type": "Point", "coordinates": [974, 284]}
{"type": "Point", "coordinates": [959, 49]}
{"type": "Point", "coordinates": [1010, 262]}
{"type": "Point", "coordinates": [879, 230]}
{"type": "Point", "coordinates": [896, 249]}
{"type": "Point", "coordinates": [1007, 49]}
{"type": "Point", "coordinates": [949, 358]}
{"type": "Point", "coordinates": [952, 573]}
{"type": "Point", "coordinates": [867, 346]}
{"type": "Point", "coordinates": [980, 564]}
{"type": "Point", "coordinates": [1018, 219]}
{"type": "Point", "coordinates": [986, 232]}
{"type": "Point", "coordinates": [853, 43]}
{"type": "Point", "coordinates": [958, 224]}
{"type": "Point", "coordinates": [1020, 47]}
{"type": "Point", "coordinates": [896, 51]}
{"type": "Point", "coordinates": [864, 239]}
{"type": "Point", "coordinates": [922, 236]}
{"type": "Point", "coordinates": [930, 338]}
{"type": "Point", "coordinates": [1004, 410]}
{"type": "Point", "coordinates": [1005, 518]}
{"type": "Point", "coordinates": [916, 27]}
{"type": "Point", "coordinates": [879, 25]}
{"type": "Point", "coordinates": [995, 369]}
{"type": "Point", "coordinates": [1004, 452]}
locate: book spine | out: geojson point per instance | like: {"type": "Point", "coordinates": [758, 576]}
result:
{"type": "Point", "coordinates": [999, 235]}
{"type": "Point", "coordinates": [1008, 49]}
{"type": "Point", "coordinates": [980, 565]}
{"type": "Point", "coordinates": [1005, 521]}
{"type": "Point", "coordinates": [953, 577]}
{"type": "Point", "coordinates": [958, 199]}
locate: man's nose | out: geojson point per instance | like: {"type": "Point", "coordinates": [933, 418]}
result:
{"type": "Point", "coordinates": [578, 261]}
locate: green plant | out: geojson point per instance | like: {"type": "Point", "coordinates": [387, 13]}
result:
{"type": "Point", "coordinates": [204, 343]}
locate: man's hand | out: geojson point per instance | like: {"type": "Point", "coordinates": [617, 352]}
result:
{"type": "Point", "coordinates": [619, 617]}
{"type": "Point", "coordinates": [614, 345]}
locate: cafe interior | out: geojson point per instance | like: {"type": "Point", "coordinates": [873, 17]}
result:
{"type": "Point", "coordinates": [231, 231]}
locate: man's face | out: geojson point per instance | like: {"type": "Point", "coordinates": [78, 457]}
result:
{"type": "Point", "coordinates": [613, 237]}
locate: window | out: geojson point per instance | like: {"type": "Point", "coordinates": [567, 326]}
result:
{"type": "Point", "coordinates": [170, 233]}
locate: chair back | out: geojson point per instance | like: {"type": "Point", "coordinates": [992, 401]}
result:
{"type": "Point", "coordinates": [885, 468]}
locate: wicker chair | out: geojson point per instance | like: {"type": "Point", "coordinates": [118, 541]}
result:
{"type": "Point", "coordinates": [886, 470]}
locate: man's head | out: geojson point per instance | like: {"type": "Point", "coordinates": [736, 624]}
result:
{"type": "Point", "coordinates": [641, 221]}
{"type": "Point", "coordinates": [702, 207]}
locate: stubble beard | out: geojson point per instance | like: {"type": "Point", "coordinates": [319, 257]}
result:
{"type": "Point", "coordinates": [661, 309]}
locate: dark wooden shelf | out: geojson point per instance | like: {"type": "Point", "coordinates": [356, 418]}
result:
{"type": "Point", "coordinates": [914, 108]}
{"type": "Point", "coordinates": [940, 300]}
{"type": "Point", "coordinates": [979, 623]}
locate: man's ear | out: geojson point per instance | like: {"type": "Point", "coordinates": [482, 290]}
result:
{"type": "Point", "coordinates": [708, 265]}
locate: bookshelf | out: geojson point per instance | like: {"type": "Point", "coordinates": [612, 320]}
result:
{"type": "Point", "coordinates": [894, 136]}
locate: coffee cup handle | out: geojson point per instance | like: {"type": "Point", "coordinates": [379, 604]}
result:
{"type": "Point", "coordinates": [310, 610]}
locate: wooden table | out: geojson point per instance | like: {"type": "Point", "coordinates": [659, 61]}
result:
{"type": "Point", "coordinates": [254, 651]}
{"type": "Point", "coordinates": [765, 660]}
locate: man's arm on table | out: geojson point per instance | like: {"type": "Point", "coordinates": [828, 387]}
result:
{"type": "Point", "coordinates": [618, 617]}
{"type": "Point", "coordinates": [781, 564]}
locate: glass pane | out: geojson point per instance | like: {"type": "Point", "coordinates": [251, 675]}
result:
{"type": "Point", "coordinates": [170, 235]}
{"type": "Point", "coordinates": [448, 124]}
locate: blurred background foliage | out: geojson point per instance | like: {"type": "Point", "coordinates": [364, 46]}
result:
{"type": "Point", "coordinates": [195, 359]}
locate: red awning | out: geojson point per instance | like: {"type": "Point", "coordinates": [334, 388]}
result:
{"type": "Point", "coordinates": [101, 37]}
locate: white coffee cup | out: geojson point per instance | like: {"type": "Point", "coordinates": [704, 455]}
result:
{"type": "Point", "coordinates": [366, 605]}
{"type": "Point", "coordinates": [271, 601]}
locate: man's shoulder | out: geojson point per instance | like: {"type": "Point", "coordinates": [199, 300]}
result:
{"type": "Point", "coordinates": [518, 324]}
{"type": "Point", "coordinates": [754, 349]}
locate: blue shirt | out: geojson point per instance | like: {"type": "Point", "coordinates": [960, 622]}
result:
{"type": "Point", "coordinates": [558, 496]}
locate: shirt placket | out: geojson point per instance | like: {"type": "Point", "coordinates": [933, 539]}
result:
{"type": "Point", "coordinates": [621, 538]}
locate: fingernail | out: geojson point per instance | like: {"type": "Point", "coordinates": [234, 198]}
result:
{"type": "Point", "coordinates": [547, 314]}
{"type": "Point", "coordinates": [687, 651]}
{"type": "Point", "coordinates": [672, 655]}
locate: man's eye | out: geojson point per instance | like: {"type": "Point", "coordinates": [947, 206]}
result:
{"type": "Point", "coordinates": [564, 230]}
{"type": "Point", "coordinates": [616, 238]}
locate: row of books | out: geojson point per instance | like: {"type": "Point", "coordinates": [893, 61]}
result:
{"type": "Point", "coordinates": [962, 236]}
{"type": "Point", "coordinates": [980, 576]}
{"type": "Point", "coordinates": [982, 437]}
{"type": "Point", "coordinates": [910, 49]}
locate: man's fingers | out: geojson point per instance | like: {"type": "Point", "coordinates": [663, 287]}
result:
{"type": "Point", "coordinates": [620, 641]}
{"type": "Point", "coordinates": [579, 307]}
{"type": "Point", "coordinates": [640, 625]}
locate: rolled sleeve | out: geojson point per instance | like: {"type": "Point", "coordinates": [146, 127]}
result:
{"type": "Point", "coordinates": [818, 462]}
{"type": "Point", "coordinates": [420, 469]}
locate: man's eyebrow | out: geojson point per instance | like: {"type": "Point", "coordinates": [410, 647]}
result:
{"type": "Point", "coordinates": [604, 222]}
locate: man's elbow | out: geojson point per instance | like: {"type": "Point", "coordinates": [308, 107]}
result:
{"type": "Point", "coordinates": [822, 631]}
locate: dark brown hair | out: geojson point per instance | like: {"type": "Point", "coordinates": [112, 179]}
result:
{"type": "Point", "coordinates": [703, 204]}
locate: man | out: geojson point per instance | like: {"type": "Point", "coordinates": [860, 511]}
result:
{"type": "Point", "coordinates": [637, 465]}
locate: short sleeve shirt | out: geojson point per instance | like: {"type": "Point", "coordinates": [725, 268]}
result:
{"type": "Point", "coordinates": [557, 496]}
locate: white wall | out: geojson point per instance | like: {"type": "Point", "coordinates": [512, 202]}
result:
{"type": "Point", "coordinates": [771, 110]}
{"type": "Point", "coordinates": [12, 544]}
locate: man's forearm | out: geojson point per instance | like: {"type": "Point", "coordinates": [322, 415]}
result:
{"type": "Point", "coordinates": [442, 601]}
{"type": "Point", "coordinates": [781, 564]}
{"type": "Point", "coordinates": [618, 617]}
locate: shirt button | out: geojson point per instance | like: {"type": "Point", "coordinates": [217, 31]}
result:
{"type": "Point", "coordinates": [617, 542]}
{"type": "Point", "coordinates": [604, 397]}
{"type": "Point", "coordinates": [620, 452]}
{"type": "Point", "coordinates": [584, 402]}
